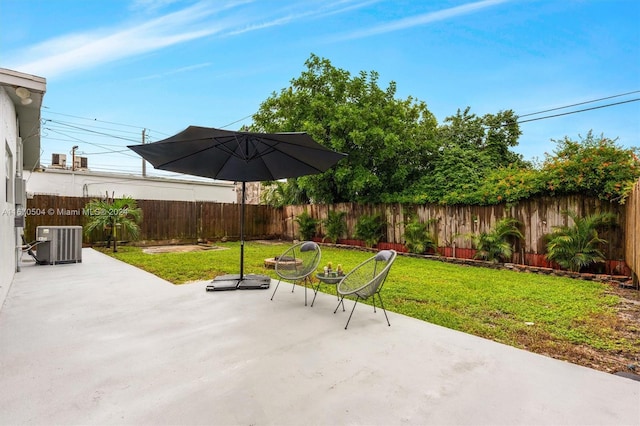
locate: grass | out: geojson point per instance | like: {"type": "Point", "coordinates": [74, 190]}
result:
{"type": "Point", "coordinates": [555, 316]}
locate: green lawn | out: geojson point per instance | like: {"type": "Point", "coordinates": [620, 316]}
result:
{"type": "Point", "coordinates": [556, 316]}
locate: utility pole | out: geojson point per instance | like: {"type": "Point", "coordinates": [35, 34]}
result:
{"type": "Point", "coordinates": [73, 158]}
{"type": "Point", "coordinates": [144, 163]}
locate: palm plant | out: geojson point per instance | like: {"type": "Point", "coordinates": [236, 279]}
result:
{"type": "Point", "coordinates": [110, 215]}
{"type": "Point", "coordinates": [495, 245]}
{"type": "Point", "coordinates": [418, 238]}
{"type": "Point", "coordinates": [576, 247]}
{"type": "Point", "coordinates": [335, 225]}
{"type": "Point", "coordinates": [307, 225]}
{"type": "Point", "coordinates": [370, 229]}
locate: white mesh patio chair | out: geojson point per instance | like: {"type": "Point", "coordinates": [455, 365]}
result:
{"type": "Point", "coordinates": [366, 280]}
{"type": "Point", "coordinates": [297, 264]}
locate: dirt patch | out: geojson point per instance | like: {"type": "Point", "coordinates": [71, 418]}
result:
{"type": "Point", "coordinates": [271, 242]}
{"type": "Point", "coordinates": [628, 328]}
{"type": "Point", "coordinates": [180, 248]}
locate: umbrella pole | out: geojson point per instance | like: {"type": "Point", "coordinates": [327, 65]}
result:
{"type": "Point", "coordinates": [232, 282]}
{"type": "Point", "coordinates": [244, 184]}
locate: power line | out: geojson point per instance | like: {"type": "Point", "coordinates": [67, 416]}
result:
{"type": "Point", "coordinates": [577, 111]}
{"type": "Point", "coordinates": [93, 131]}
{"type": "Point", "coordinates": [96, 120]}
{"type": "Point", "coordinates": [134, 126]}
{"type": "Point", "coordinates": [87, 126]}
{"type": "Point", "coordinates": [580, 103]}
{"type": "Point", "coordinates": [108, 150]}
{"type": "Point", "coordinates": [237, 121]}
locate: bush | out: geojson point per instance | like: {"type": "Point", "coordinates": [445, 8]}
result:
{"type": "Point", "coordinates": [593, 166]}
{"type": "Point", "coordinates": [417, 237]}
{"type": "Point", "coordinates": [307, 226]}
{"type": "Point", "coordinates": [370, 229]}
{"type": "Point", "coordinates": [494, 245]}
{"type": "Point", "coordinates": [576, 247]}
{"type": "Point", "coordinates": [336, 226]}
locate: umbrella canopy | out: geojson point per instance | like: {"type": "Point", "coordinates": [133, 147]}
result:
{"type": "Point", "coordinates": [239, 157]}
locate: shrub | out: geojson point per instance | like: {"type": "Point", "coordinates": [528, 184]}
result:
{"type": "Point", "coordinates": [594, 166]}
{"type": "Point", "coordinates": [418, 238]}
{"type": "Point", "coordinates": [370, 229]}
{"type": "Point", "coordinates": [494, 245]}
{"type": "Point", "coordinates": [576, 247]}
{"type": "Point", "coordinates": [307, 225]}
{"type": "Point", "coordinates": [336, 226]}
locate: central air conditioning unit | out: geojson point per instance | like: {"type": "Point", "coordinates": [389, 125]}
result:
{"type": "Point", "coordinates": [59, 161]}
{"type": "Point", "coordinates": [59, 244]}
{"type": "Point", "coordinates": [80, 163]}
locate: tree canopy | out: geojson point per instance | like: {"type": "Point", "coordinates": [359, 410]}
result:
{"type": "Point", "coordinates": [397, 151]}
{"type": "Point", "coordinates": [593, 165]}
{"type": "Point", "coordinates": [389, 141]}
{"type": "Point", "coordinates": [469, 148]}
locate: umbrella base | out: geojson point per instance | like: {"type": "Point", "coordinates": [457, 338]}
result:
{"type": "Point", "coordinates": [233, 282]}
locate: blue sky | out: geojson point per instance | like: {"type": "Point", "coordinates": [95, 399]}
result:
{"type": "Point", "coordinates": [116, 67]}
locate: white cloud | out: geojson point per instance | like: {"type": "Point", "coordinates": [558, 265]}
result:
{"type": "Point", "coordinates": [75, 52]}
{"type": "Point", "coordinates": [324, 10]}
{"type": "Point", "coordinates": [80, 51]}
{"type": "Point", "coordinates": [423, 19]}
{"type": "Point", "coordinates": [176, 71]}
{"type": "Point", "coordinates": [151, 5]}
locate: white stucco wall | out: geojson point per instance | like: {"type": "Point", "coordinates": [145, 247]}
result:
{"type": "Point", "coordinates": [8, 138]}
{"type": "Point", "coordinates": [69, 183]}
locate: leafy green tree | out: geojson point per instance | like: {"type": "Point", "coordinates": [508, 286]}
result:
{"type": "Point", "coordinates": [593, 166]}
{"type": "Point", "coordinates": [307, 225]}
{"type": "Point", "coordinates": [490, 135]}
{"type": "Point", "coordinates": [279, 194]}
{"type": "Point", "coordinates": [495, 245]}
{"type": "Point", "coordinates": [455, 171]}
{"type": "Point", "coordinates": [505, 185]}
{"type": "Point", "coordinates": [469, 149]}
{"type": "Point", "coordinates": [111, 215]}
{"type": "Point", "coordinates": [576, 247]}
{"type": "Point", "coordinates": [388, 140]}
{"type": "Point", "coordinates": [335, 225]}
{"type": "Point", "coordinates": [397, 152]}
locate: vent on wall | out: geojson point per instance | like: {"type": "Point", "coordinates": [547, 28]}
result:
{"type": "Point", "coordinates": [59, 161]}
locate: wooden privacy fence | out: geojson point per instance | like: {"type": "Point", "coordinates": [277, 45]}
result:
{"type": "Point", "coordinates": [632, 232]}
{"type": "Point", "coordinates": [168, 221]}
{"type": "Point", "coordinates": [452, 224]}
{"type": "Point", "coordinates": [188, 222]}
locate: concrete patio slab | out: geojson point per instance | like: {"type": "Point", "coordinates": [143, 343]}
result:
{"type": "Point", "coordinates": [104, 343]}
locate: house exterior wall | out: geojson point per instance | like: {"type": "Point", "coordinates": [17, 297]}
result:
{"type": "Point", "coordinates": [20, 103]}
{"type": "Point", "coordinates": [8, 140]}
{"type": "Point", "coordinates": [69, 183]}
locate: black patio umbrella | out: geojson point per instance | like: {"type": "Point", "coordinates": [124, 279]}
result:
{"type": "Point", "coordinates": [239, 157]}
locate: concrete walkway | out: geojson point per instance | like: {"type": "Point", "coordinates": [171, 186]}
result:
{"type": "Point", "coordinates": [104, 343]}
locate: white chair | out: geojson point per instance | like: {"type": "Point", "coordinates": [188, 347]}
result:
{"type": "Point", "coordinates": [298, 263]}
{"type": "Point", "coordinates": [366, 280]}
